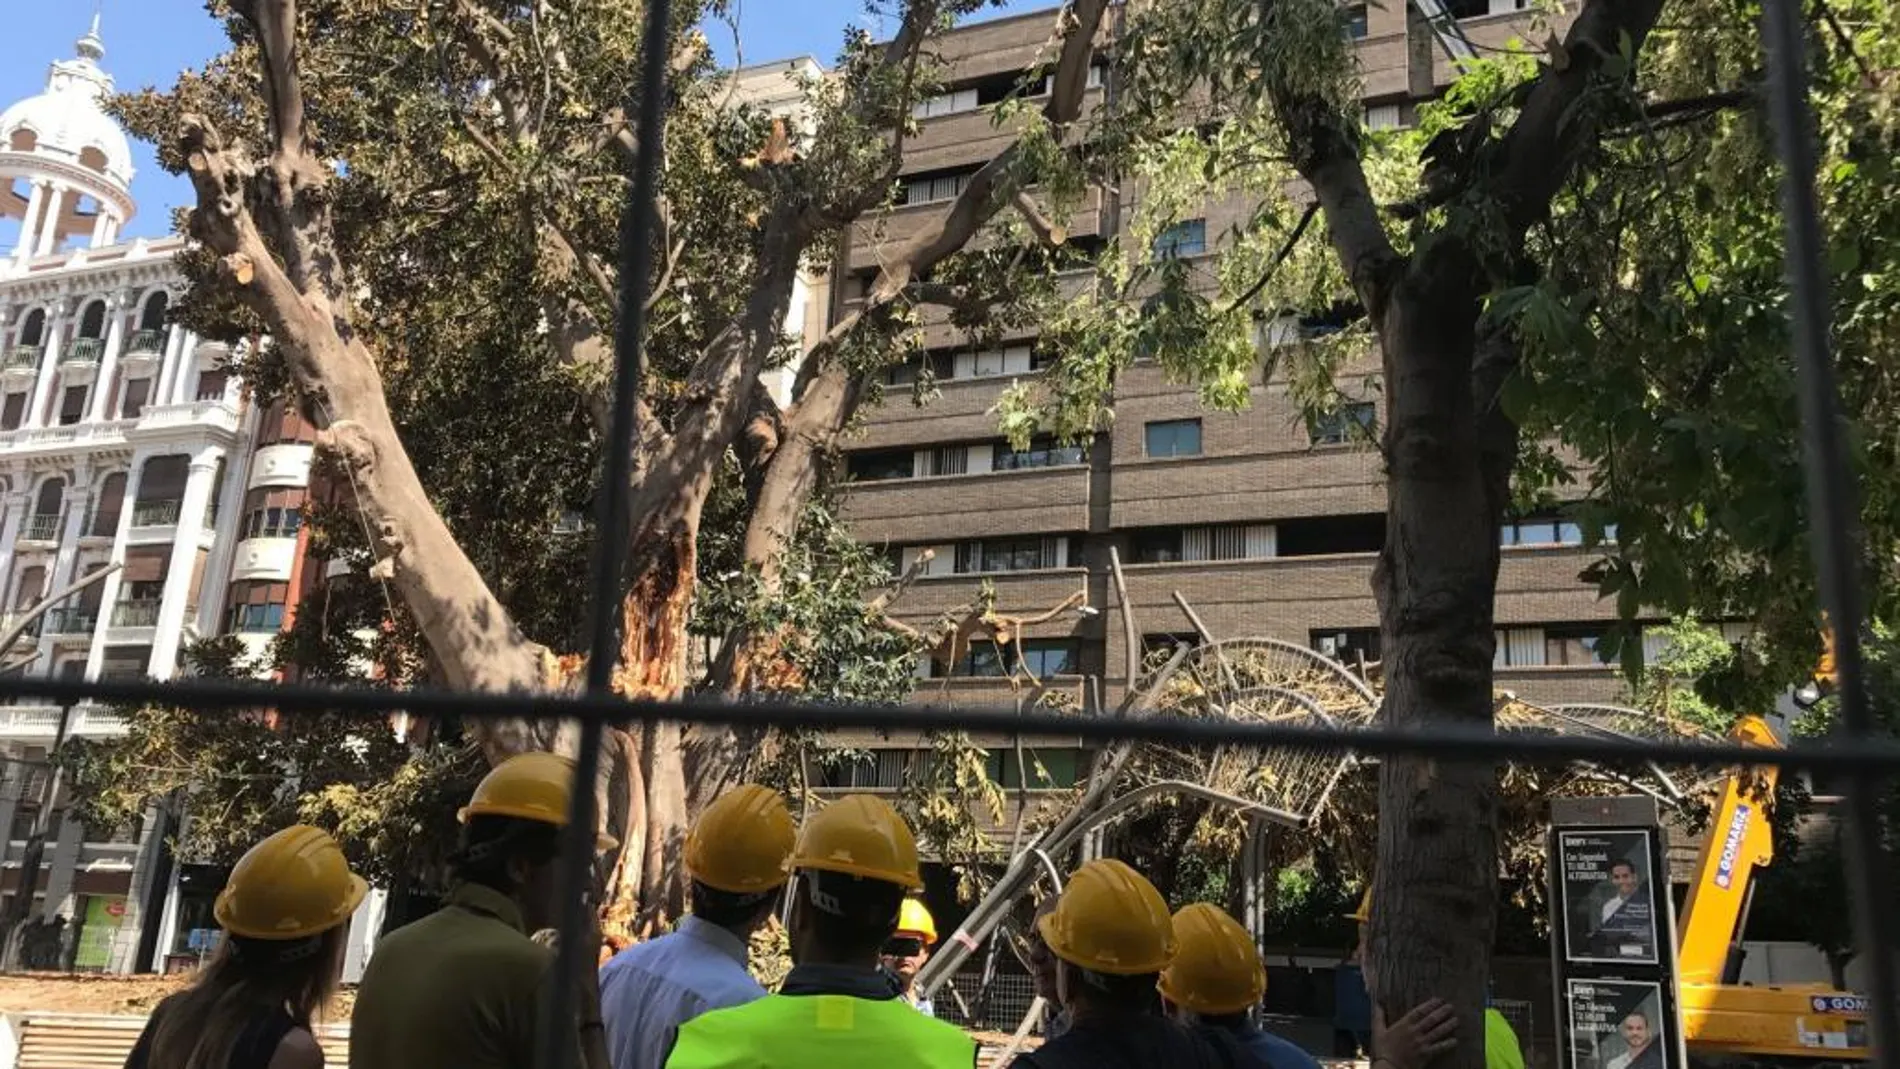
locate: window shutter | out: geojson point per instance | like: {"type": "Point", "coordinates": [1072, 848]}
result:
{"type": "Point", "coordinates": [1527, 646]}
{"type": "Point", "coordinates": [1655, 644]}
{"type": "Point", "coordinates": [1229, 543]}
{"type": "Point", "coordinates": [969, 557]}
{"type": "Point", "coordinates": [1263, 540]}
{"type": "Point", "coordinates": [1197, 544]}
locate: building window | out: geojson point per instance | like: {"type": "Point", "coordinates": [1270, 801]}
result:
{"type": "Point", "coordinates": [1384, 116]}
{"type": "Point", "coordinates": [947, 460]}
{"type": "Point", "coordinates": [136, 393]}
{"type": "Point", "coordinates": [1346, 423]}
{"type": "Point", "coordinates": [1042, 453]}
{"type": "Point", "coordinates": [1541, 531]}
{"type": "Point", "coordinates": [934, 189]}
{"type": "Point", "coordinates": [1571, 646]}
{"type": "Point", "coordinates": [1042, 657]}
{"type": "Point", "coordinates": [941, 365]}
{"type": "Point", "coordinates": [1045, 769]}
{"type": "Point", "coordinates": [1173, 438]}
{"type": "Point", "coordinates": [1232, 541]}
{"type": "Point", "coordinates": [211, 385]}
{"type": "Point", "coordinates": [951, 103]}
{"type": "Point", "coordinates": [1355, 19]}
{"type": "Point", "coordinates": [14, 412]}
{"type": "Point", "coordinates": [1467, 9]}
{"type": "Point", "coordinates": [1346, 645]}
{"type": "Point", "coordinates": [256, 607]}
{"type": "Point", "coordinates": [881, 465]}
{"type": "Point", "coordinates": [1185, 238]}
{"type": "Point", "coordinates": [72, 405]}
{"type": "Point", "coordinates": [1026, 554]}
{"type": "Point", "coordinates": [271, 523]}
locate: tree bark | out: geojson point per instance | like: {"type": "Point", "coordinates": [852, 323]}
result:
{"type": "Point", "coordinates": [1436, 882]}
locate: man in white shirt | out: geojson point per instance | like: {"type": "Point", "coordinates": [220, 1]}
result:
{"type": "Point", "coordinates": [735, 855]}
{"type": "Point", "coordinates": [1641, 1052]}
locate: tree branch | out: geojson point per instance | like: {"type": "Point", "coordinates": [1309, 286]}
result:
{"type": "Point", "coordinates": [1552, 130]}
{"type": "Point", "coordinates": [469, 633]}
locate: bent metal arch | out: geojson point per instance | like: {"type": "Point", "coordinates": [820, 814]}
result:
{"type": "Point", "coordinates": [1286, 720]}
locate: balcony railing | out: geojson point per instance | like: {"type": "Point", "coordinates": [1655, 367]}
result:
{"type": "Point", "coordinates": [23, 356]}
{"type": "Point", "coordinates": [85, 350]}
{"type": "Point", "coordinates": [155, 513]}
{"type": "Point", "coordinates": [68, 620]}
{"type": "Point", "coordinates": [141, 613]}
{"type": "Point", "coordinates": [41, 528]}
{"type": "Point", "coordinates": [33, 626]}
{"type": "Point", "coordinates": [146, 341]}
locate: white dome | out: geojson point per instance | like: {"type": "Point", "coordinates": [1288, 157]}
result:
{"type": "Point", "coordinates": [67, 120]}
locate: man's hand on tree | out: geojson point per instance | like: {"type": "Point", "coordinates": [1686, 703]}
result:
{"type": "Point", "coordinates": [1414, 1040]}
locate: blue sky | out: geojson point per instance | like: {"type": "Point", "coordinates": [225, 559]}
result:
{"type": "Point", "coordinates": [149, 41]}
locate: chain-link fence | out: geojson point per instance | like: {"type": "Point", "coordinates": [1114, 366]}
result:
{"type": "Point", "coordinates": [1859, 759]}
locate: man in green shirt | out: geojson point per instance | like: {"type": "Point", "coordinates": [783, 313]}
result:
{"type": "Point", "coordinates": [464, 988]}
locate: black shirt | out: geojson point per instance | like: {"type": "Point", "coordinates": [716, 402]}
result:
{"type": "Point", "coordinates": [1140, 1042]}
{"type": "Point", "coordinates": [254, 1048]}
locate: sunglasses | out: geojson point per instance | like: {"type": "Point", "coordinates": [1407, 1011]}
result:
{"type": "Point", "coordinates": [903, 948]}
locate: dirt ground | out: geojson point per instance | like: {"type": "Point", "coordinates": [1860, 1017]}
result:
{"type": "Point", "coordinates": [85, 994]}
{"type": "Point", "coordinates": [134, 995]}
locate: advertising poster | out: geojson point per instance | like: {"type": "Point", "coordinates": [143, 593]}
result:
{"type": "Point", "coordinates": [1609, 905]}
{"type": "Point", "coordinates": [1618, 1024]}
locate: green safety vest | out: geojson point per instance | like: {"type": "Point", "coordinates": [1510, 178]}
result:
{"type": "Point", "coordinates": [1500, 1043]}
{"type": "Point", "coordinates": [820, 1032]}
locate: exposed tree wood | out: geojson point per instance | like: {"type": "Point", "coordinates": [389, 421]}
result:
{"type": "Point", "coordinates": [272, 215]}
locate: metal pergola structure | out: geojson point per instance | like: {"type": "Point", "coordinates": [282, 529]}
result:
{"type": "Point", "coordinates": [1857, 754]}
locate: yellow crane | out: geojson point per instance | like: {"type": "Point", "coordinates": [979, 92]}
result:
{"type": "Point", "coordinates": [1723, 1020]}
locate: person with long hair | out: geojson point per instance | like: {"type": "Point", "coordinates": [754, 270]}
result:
{"type": "Point", "coordinates": [285, 913]}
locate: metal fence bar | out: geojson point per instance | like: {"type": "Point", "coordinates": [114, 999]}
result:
{"type": "Point", "coordinates": [1832, 507]}
{"type": "Point", "coordinates": [577, 876]}
{"type": "Point", "coordinates": [1445, 741]}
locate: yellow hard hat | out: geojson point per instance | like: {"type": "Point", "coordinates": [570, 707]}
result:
{"type": "Point", "coordinates": [915, 919]}
{"type": "Point", "coordinates": [1216, 967]}
{"type": "Point", "coordinates": [740, 843]}
{"type": "Point", "coordinates": [292, 885]}
{"type": "Point", "coordinates": [1110, 919]}
{"type": "Point", "coordinates": [1364, 912]}
{"type": "Point", "coordinates": [859, 835]}
{"type": "Point", "coordinates": [529, 786]}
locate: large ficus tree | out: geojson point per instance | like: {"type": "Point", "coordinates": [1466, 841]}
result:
{"type": "Point", "coordinates": [387, 188]}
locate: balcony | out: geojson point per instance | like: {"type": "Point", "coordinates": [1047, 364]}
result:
{"type": "Point", "coordinates": [23, 358]}
{"type": "Point", "coordinates": [33, 627]}
{"type": "Point", "coordinates": [68, 620]}
{"type": "Point", "coordinates": [216, 414]}
{"type": "Point", "coordinates": [951, 507]}
{"type": "Point", "coordinates": [146, 342]}
{"type": "Point", "coordinates": [141, 613]}
{"type": "Point", "coordinates": [44, 528]}
{"type": "Point", "coordinates": [156, 513]}
{"type": "Point", "coordinates": [84, 351]}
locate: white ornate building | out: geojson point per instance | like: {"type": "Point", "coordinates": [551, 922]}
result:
{"type": "Point", "coordinates": [123, 441]}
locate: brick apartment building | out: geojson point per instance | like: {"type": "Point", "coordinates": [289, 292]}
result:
{"type": "Point", "coordinates": [1267, 525]}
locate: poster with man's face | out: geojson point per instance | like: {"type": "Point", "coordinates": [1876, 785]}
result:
{"type": "Point", "coordinates": [1608, 902]}
{"type": "Point", "coordinates": [1617, 1024]}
